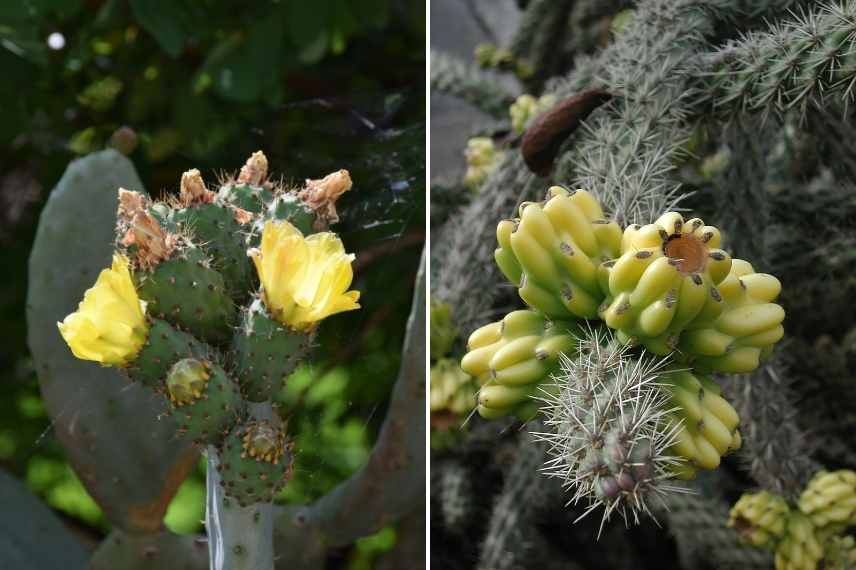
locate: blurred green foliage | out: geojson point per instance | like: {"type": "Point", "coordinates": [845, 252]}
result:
{"type": "Point", "coordinates": [319, 86]}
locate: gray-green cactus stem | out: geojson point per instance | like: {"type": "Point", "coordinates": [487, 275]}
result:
{"type": "Point", "coordinates": [239, 538]}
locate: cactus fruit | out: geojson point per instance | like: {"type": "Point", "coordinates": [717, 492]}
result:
{"type": "Point", "coordinates": [452, 390]}
{"type": "Point", "coordinates": [704, 422]}
{"type": "Point", "coordinates": [830, 498]}
{"type": "Point", "coordinates": [204, 400]}
{"type": "Point", "coordinates": [511, 357]}
{"type": "Point", "coordinates": [800, 548]}
{"type": "Point", "coordinates": [607, 432]}
{"type": "Point", "coordinates": [664, 281]}
{"type": "Point", "coordinates": [760, 518]}
{"type": "Point", "coordinates": [558, 246]}
{"type": "Point", "coordinates": [264, 351]}
{"type": "Point", "coordinates": [186, 291]}
{"type": "Point", "coordinates": [525, 108]}
{"type": "Point", "coordinates": [482, 158]}
{"type": "Point", "coordinates": [255, 462]}
{"type": "Point", "coordinates": [749, 325]}
{"type": "Point", "coordinates": [840, 553]}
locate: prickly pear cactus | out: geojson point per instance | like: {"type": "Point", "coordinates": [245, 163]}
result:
{"type": "Point", "coordinates": [211, 300]}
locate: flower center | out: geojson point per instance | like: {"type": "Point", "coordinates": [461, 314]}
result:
{"type": "Point", "coordinates": [689, 252]}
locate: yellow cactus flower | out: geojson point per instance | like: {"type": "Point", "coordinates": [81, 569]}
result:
{"type": "Point", "coordinates": [109, 325]}
{"type": "Point", "coordinates": [304, 279]}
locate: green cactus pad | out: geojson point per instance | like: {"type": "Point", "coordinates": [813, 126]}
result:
{"type": "Point", "coordinates": [289, 207]}
{"type": "Point", "coordinates": [553, 252]}
{"type": "Point", "coordinates": [513, 356]}
{"type": "Point", "coordinates": [205, 402]}
{"type": "Point", "coordinates": [255, 462]}
{"type": "Point", "coordinates": [745, 331]}
{"type": "Point", "coordinates": [251, 198]}
{"type": "Point", "coordinates": [164, 347]}
{"type": "Point", "coordinates": [705, 423]}
{"type": "Point", "coordinates": [664, 281]}
{"type": "Point", "coordinates": [264, 352]}
{"type": "Point", "coordinates": [188, 293]}
{"type": "Point", "coordinates": [219, 235]}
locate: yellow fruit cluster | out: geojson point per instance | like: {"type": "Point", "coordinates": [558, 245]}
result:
{"type": "Point", "coordinates": [665, 279]}
{"type": "Point", "coordinates": [511, 357]}
{"type": "Point", "coordinates": [760, 518]}
{"type": "Point", "coordinates": [452, 390]}
{"type": "Point", "coordinates": [809, 535]}
{"type": "Point", "coordinates": [706, 423]}
{"type": "Point", "coordinates": [553, 252]}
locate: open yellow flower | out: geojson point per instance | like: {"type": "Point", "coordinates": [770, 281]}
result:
{"type": "Point", "coordinates": [109, 325]}
{"type": "Point", "coordinates": [304, 279]}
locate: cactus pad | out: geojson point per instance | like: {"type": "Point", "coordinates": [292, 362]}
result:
{"type": "Point", "coordinates": [249, 197]}
{"type": "Point", "coordinates": [222, 237]}
{"type": "Point", "coordinates": [186, 291]}
{"type": "Point", "coordinates": [255, 462]}
{"type": "Point", "coordinates": [264, 352]}
{"type": "Point", "coordinates": [164, 347]}
{"type": "Point", "coordinates": [205, 402]}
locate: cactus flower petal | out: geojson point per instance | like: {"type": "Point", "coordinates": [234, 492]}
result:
{"type": "Point", "coordinates": [109, 325]}
{"type": "Point", "coordinates": [304, 279]}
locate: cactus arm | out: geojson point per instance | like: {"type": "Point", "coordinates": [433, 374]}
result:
{"type": "Point", "coordinates": [392, 483]}
{"type": "Point", "coordinates": [239, 538]}
{"type": "Point", "coordinates": [453, 77]}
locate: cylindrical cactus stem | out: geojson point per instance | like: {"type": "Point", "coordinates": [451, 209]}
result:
{"type": "Point", "coordinates": [239, 538]}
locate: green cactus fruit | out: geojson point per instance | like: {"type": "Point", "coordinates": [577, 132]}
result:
{"type": "Point", "coordinates": [830, 498]}
{"type": "Point", "coordinates": [513, 356]}
{"type": "Point", "coordinates": [443, 330]}
{"type": "Point", "coordinates": [705, 424]}
{"type": "Point", "coordinates": [664, 281]}
{"type": "Point", "coordinates": [186, 291]}
{"type": "Point", "coordinates": [264, 352]}
{"type": "Point", "coordinates": [205, 402]}
{"type": "Point", "coordinates": [760, 518]}
{"type": "Point", "coordinates": [255, 462]}
{"type": "Point", "coordinates": [749, 325]}
{"type": "Point", "coordinates": [452, 390]}
{"type": "Point", "coordinates": [164, 347]}
{"type": "Point", "coordinates": [224, 239]}
{"type": "Point", "coordinates": [558, 246]}
{"type": "Point", "coordinates": [800, 548]}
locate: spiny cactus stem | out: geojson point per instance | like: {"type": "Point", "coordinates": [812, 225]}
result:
{"type": "Point", "coordinates": [239, 538]}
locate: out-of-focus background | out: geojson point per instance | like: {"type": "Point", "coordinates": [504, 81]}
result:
{"type": "Point", "coordinates": [318, 86]}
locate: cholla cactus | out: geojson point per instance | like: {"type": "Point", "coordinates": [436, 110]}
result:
{"type": "Point", "coordinates": [184, 311]}
{"type": "Point", "coordinates": [607, 429]}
